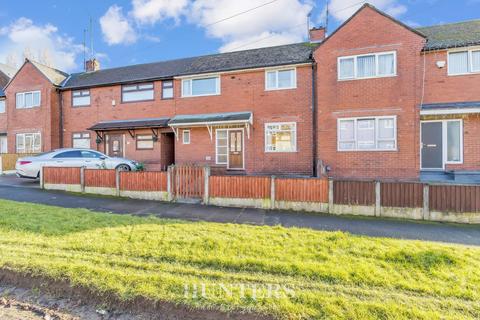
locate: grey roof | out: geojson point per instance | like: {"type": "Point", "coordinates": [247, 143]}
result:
{"type": "Point", "coordinates": [452, 35]}
{"type": "Point", "coordinates": [54, 75]}
{"type": "Point", "coordinates": [450, 105]}
{"type": "Point", "coordinates": [211, 117]}
{"type": "Point", "coordinates": [130, 124]}
{"type": "Point", "coordinates": [254, 58]}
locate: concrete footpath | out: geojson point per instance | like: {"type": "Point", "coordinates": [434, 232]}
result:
{"type": "Point", "coordinates": [15, 189]}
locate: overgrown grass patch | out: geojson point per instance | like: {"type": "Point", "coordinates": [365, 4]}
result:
{"type": "Point", "coordinates": [320, 275]}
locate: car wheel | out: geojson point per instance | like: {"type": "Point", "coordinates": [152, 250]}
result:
{"type": "Point", "coordinates": [123, 167]}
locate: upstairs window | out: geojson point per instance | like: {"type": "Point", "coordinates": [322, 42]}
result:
{"type": "Point", "coordinates": [26, 100]}
{"type": "Point", "coordinates": [281, 137]}
{"type": "Point", "coordinates": [80, 98]}
{"type": "Point", "coordinates": [2, 106]}
{"type": "Point", "coordinates": [383, 64]}
{"type": "Point", "coordinates": [167, 89]}
{"type": "Point", "coordinates": [362, 134]}
{"type": "Point", "coordinates": [280, 79]}
{"type": "Point", "coordinates": [196, 87]}
{"type": "Point", "coordinates": [463, 62]}
{"type": "Point", "coordinates": [137, 92]}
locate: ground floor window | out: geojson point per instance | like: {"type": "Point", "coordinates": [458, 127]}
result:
{"type": "Point", "coordinates": [28, 142]}
{"type": "Point", "coordinates": [221, 147]}
{"type": "Point", "coordinates": [454, 141]}
{"type": "Point", "coordinates": [367, 134]}
{"type": "Point", "coordinates": [186, 136]}
{"type": "Point", "coordinates": [281, 137]}
{"type": "Point", "coordinates": [145, 142]}
{"type": "Point", "coordinates": [81, 140]}
{"type": "Point", "coordinates": [3, 144]}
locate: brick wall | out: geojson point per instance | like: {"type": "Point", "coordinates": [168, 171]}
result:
{"type": "Point", "coordinates": [396, 96]}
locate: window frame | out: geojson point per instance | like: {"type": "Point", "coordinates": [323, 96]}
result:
{"type": "Point", "coordinates": [24, 139]}
{"type": "Point", "coordinates": [4, 102]}
{"type": "Point", "coordinates": [82, 133]}
{"type": "Point", "coordinates": [172, 87]}
{"type": "Point", "coordinates": [276, 70]}
{"type": "Point", "coordinates": [82, 105]}
{"type": "Point", "coordinates": [355, 128]}
{"type": "Point", "coordinates": [216, 147]}
{"type": "Point", "coordinates": [137, 90]}
{"type": "Point", "coordinates": [189, 136]}
{"type": "Point", "coordinates": [355, 71]}
{"type": "Point", "coordinates": [218, 86]}
{"type": "Point", "coordinates": [137, 139]}
{"type": "Point", "coordinates": [23, 93]}
{"type": "Point", "coordinates": [470, 61]}
{"type": "Point", "coordinates": [295, 147]}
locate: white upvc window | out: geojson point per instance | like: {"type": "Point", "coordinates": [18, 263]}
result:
{"type": "Point", "coordinates": [279, 79]}
{"type": "Point", "coordinates": [2, 106]}
{"type": "Point", "coordinates": [463, 62]}
{"type": "Point", "coordinates": [221, 146]}
{"type": "Point", "coordinates": [281, 137]}
{"type": "Point", "coordinates": [367, 134]}
{"type": "Point", "coordinates": [201, 86]}
{"type": "Point", "coordinates": [29, 99]}
{"type": "Point", "coordinates": [453, 137]}
{"type": "Point", "coordinates": [81, 98]}
{"type": "Point", "coordinates": [186, 136]}
{"type": "Point", "coordinates": [81, 140]}
{"type": "Point", "coordinates": [28, 142]}
{"type": "Point", "coordinates": [365, 66]}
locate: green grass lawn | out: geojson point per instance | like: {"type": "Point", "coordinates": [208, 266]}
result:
{"type": "Point", "coordinates": [323, 275]}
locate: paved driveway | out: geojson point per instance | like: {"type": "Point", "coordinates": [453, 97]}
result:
{"type": "Point", "coordinates": [28, 191]}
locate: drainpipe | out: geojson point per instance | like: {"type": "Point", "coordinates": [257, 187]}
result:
{"type": "Point", "coordinates": [60, 126]}
{"type": "Point", "coordinates": [314, 118]}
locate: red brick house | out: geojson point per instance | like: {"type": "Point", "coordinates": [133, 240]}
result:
{"type": "Point", "coordinates": [6, 73]}
{"type": "Point", "coordinates": [375, 99]}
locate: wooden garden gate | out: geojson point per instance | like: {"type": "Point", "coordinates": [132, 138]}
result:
{"type": "Point", "coordinates": [187, 182]}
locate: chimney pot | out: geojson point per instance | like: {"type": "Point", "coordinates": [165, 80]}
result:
{"type": "Point", "coordinates": [92, 65]}
{"type": "Point", "coordinates": [317, 34]}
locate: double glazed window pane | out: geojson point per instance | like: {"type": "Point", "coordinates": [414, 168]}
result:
{"type": "Point", "coordinates": [453, 141]}
{"type": "Point", "coordinates": [204, 86]}
{"type": "Point", "coordinates": [167, 89]}
{"type": "Point", "coordinates": [2, 106]}
{"type": "Point", "coordinates": [386, 64]}
{"type": "Point", "coordinates": [366, 66]}
{"type": "Point", "coordinates": [347, 68]}
{"type": "Point", "coordinates": [222, 146]}
{"type": "Point", "coordinates": [271, 79]}
{"type": "Point", "coordinates": [458, 62]}
{"type": "Point", "coordinates": [366, 134]}
{"type": "Point", "coordinates": [476, 61]}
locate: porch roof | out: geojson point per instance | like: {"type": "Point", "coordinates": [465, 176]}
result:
{"type": "Point", "coordinates": [211, 119]}
{"type": "Point", "coordinates": [130, 124]}
{"type": "Point", "coordinates": [450, 108]}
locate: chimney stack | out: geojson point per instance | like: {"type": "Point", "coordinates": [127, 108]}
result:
{"type": "Point", "coordinates": [317, 34]}
{"type": "Point", "coordinates": [92, 65]}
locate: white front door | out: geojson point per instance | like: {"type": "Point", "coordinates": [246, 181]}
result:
{"type": "Point", "coordinates": [3, 144]}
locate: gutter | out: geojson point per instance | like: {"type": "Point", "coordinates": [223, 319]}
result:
{"type": "Point", "coordinates": [314, 118]}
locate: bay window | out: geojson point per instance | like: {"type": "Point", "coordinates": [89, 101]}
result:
{"type": "Point", "coordinates": [195, 87]}
{"type": "Point", "coordinates": [281, 137]}
{"type": "Point", "coordinates": [463, 62]}
{"type": "Point", "coordinates": [28, 142]}
{"type": "Point", "coordinates": [367, 134]}
{"type": "Point", "coordinates": [382, 64]}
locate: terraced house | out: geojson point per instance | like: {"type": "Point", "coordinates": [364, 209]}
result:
{"type": "Point", "coordinates": [374, 99]}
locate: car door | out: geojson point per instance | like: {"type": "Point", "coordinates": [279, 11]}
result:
{"type": "Point", "coordinates": [72, 158]}
{"type": "Point", "coordinates": [93, 160]}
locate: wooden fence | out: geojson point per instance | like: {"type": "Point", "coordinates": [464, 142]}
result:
{"type": "Point", "coordinates": [8, 160]}
{"type": "Point", "coordinates": [455, 203]}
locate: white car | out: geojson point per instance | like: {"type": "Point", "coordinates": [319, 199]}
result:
{"type": "Point", "coordinates": [29, 167]}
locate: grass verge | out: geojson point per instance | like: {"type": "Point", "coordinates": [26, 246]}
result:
{"type": "Point", "coordinates": [289, 273]}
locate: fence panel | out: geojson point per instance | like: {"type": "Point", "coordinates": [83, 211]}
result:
{"type": "Point", "coordinates": [402, 195]}
{"type": "Point", "coordinates": [10, 159]}
{"type": "Point", "coordinates": [454, 198]}
{"type": "Point", "coordinates": [354, 193]}
{"type": "Point", "coordinates": [100, 178]}
{"type": "Point", "coordinates": [239, 187]}
{"type": "Point", "coordinates": [301, 190]}
{"type": "Point", "coordinates": [60, 175]}
{"type": "Point", "coordinates": [143, 181]}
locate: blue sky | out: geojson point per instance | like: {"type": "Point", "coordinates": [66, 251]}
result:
{"type": "Point", "coordinates": [137, 31]}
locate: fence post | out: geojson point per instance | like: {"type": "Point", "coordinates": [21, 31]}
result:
{"type": "Point", "coordinates": [272, 192]}
{"type": "Point", "coordinates": [117, 183]}
{"type": "Point", "coordinates": [377, 198]}
{"type": "Point", "coordinates": [330, 195]}
{"type": "Point", "coordinates": [82, 179]}
{"type": "Point", "coordinates": [169, 183]}
{"type": "Point", "coordinates": [426, 202]}
{"type": "Point", "coordinates": [42, 182]}
{"type": "Point", "coordinates": [206, 195]}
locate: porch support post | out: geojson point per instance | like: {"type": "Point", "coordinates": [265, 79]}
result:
{"type": "Point", "coordinates": [82, 179]}
{"type": "Point", "coordinates": [330, 195]}
{"type": "Point", "coordinates": [206, 174]}
{"type": "Point", "coordinates": [117, 183]}
{"type": "Point", "coordinates": [272, 193]}
{"type": "Point", "coordinates": [377, 198]}
{"type": "Point", "coordinates": [426, 202]}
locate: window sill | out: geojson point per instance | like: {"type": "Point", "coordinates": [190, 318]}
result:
{"type": "Point", "coordinates": [367, 78]}
{"type": "Point", "coordinates": [369, 150]}
{"type": "Point", "coordinates": [202, 95]}
{"type": "Point", "coordinates": [279, 89]}
{"type": "Point", "coordinates": [268, 151]}
{"type": "Point", "coordinates": [82, 106]}
{"type": "Point", "coordinates": [136, 101]}
{"type": "Point", "coordinates": [464, 74]}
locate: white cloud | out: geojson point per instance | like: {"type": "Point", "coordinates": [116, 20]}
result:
{"type": "Point", "coordinates": [116, 28]}
{"type": "Point", "coordinates": [151, 11]}
{"type": "Point", "coordinates": [43, 43]}
{"type": "Point", "coordinates": [341, 10]}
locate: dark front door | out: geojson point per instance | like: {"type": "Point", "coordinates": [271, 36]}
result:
{"type": "Point", "coordinates": [115, 145]}
{"type": "Point", "coordinates": [432, 141]}
{"type": "Point", "coordinates": [235, 152]}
